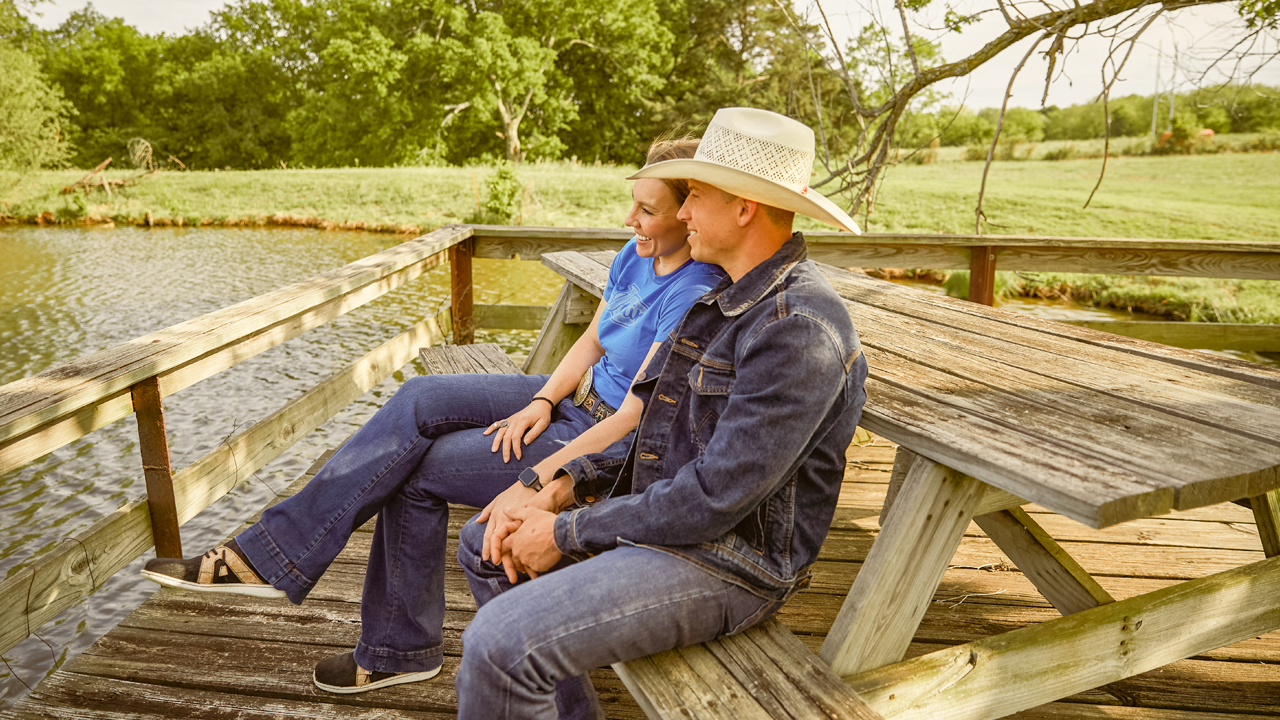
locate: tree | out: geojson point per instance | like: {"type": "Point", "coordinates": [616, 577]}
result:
{"type": "Point", "coordinates": [33, 115]}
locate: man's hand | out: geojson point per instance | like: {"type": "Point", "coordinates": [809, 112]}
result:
{"type": "Point", "coordinates": [495, 514]}
{"type": "Point", "coordinates": [529, 539]}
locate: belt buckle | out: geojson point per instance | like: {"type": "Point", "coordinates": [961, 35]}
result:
{"type": "Point", "coordinates": [584, 387]}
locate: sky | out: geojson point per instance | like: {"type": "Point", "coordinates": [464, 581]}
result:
{"type": "Point", "coordinates": [1194, 34]}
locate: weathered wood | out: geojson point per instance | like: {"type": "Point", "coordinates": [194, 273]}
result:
{"type": "Point", "coordinates": [36, 594]}
{"type": "Point", "coordinates": [43, 412]}
{"type": "Point", "coordinates": [581, 307]}
{"type": "Point", "coordinates": [1193, 335]}
{"type": "Point", "coordinates": [982, 274]}
{"type": "Point", "coordinates": [63, 575]}
{"type": "Point", "coordinates": [153, 445]}
{"type": "Point", "coordinates": [530, 243]}
{"type": "Point", "coordinates": [894, 586]}
{"type": "Point", "coordinates": [1266, 513]}
{"type": "Point", "coordinates": [555, 338]}
{"type": "Point", "coordinates": [1055, 573]}
{"type": "Point", "coordinates": [461, 293]}
{"type": "Point", "coordinates": [993, 677]}
{"type": "Point", "coordinates": [484, 358]}
{"type": "Point", "coordinates": [993, 500]}
{"type": "Point", "coordinates": [585, 270]}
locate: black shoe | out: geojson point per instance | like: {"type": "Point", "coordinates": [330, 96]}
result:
{"type": "Point", "coordinates": [340, 674]}
{"type": "Point", "coordinates": [222, 569]}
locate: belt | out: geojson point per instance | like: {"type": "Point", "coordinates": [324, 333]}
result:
{"type": "Point", "coordinates": [588, 399]}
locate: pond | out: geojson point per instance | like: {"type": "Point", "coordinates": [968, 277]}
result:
{"type": "Point", "coordinates": [68, 292]}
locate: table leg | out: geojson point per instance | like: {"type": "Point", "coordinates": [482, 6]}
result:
{"type": "Point", "coordinates": [893, 589]}
{"type": "Point", "coordinates": [1266, 512]}
{"type": "Point", "coordinates": [1054, 573]}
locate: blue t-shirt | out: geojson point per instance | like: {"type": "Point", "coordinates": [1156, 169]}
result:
{"type": "Point", "coordinates": [640, 309]}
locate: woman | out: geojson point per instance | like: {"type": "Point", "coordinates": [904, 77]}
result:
{"type": "Point", "coordinates": [450, 438]}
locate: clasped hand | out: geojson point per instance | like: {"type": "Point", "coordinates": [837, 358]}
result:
{"type": "Point", "coordinates": [508, 543]}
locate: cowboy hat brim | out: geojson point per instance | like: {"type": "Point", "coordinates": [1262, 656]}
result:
{"type": "Point", "coordinates": [752, 187]}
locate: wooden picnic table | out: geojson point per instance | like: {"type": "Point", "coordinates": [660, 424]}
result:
{"type": "Point", "coordinates": [993, 411]}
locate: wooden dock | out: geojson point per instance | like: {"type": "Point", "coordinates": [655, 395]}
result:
{"type": "Point", "coordinates": [207, 656]}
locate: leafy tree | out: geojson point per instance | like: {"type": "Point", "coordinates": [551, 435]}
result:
{"type": "Point", "coordinates": [962, 126]}
{"type": "Point", "coordinates": [33, 114]}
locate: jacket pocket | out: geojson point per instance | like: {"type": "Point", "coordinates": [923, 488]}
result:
{"type": "Point", "coordinates": [711, 388]}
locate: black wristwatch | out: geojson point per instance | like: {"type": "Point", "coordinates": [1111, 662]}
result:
{"type": "Point", "coordinates": [530, 478]}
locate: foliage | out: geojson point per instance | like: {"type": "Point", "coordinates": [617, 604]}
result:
{"type": "Point", "coordinates": [502, 206]}
{"type": "Point", "coordinates": [34, 116]}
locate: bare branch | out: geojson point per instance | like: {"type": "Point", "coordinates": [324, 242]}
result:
{"type": "Point", "coordinates": [991, 153]}
{"type": "Point", "coordinates": [906, 33]}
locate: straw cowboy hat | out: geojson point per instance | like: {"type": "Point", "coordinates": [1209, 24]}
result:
{"type": "Point", "coordinates": [757, 155]}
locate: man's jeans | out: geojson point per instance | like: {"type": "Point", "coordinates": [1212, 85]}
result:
{"type": "Point", "coordinates": [539, 635]}
{"type": "Point", "coordinates": [423, 449]}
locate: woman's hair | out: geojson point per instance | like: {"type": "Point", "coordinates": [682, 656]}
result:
{"type": "Point", "coordinates": [665, 148]}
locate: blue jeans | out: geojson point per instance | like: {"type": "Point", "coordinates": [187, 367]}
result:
{"type": "Point", "coordinates": [423, 449]}
{"type": "Point", "coordinates": [538, 636]}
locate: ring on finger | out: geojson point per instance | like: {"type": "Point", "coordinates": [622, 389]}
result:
{"type": "Point", "coordinates": [503, 423]}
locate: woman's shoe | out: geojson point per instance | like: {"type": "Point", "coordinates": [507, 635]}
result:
{"type": "Point", "coordinates": [222, 569]}
{"type": "Point", "coordinates": [340, 674]}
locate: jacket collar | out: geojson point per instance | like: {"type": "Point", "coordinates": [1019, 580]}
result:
{"type": "Point", "coordinates": [739, 296]}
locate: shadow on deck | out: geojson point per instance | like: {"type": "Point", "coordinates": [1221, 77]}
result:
{"type": "Point", "coordinates": [200, 656]}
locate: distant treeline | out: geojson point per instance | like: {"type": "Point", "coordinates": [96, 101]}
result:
{"type": "Point", "coordinates": [335, 83]}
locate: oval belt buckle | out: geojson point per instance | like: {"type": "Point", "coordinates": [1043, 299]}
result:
{"type": "Point", "coordinates": [584, 387]}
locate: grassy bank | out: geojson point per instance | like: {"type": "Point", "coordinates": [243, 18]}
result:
{"type": "Point", "coordinates": [1223, 197]}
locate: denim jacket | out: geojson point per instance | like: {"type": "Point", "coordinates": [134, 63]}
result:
{"type": "Point", "coordinates": [749, 406]}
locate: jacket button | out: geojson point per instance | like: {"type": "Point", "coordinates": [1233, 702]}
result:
{"type": "Point", "coordinates": [590, 498]}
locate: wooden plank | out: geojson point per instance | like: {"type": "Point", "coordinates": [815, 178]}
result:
{"type": "Point", "coordinates": [1266, 513]}
{"type": "Point", "coordinates": [461, 293]}
{"type": "Point", "coordinates": [903, 568]}
{"type": "Point", "coordinates": [853, 285]}
{"type": "Point", "coordinates": [580, 269]}
{"type": "Point", "coordinates": [1231, 247]}
{"type": "Point", "coordinates": [1215, 263]}
{"type": "Point", "coordinates": [555, 338]}
{"type": "Point", "coordinates": [511, 317]}
{"type": "Point", "coordinates": [993, 677]}
{"type": "Point", "coordinates": [531, 243]}
{"type": "Point", "coordinates": [993, 500]}
{"type": "Point", "coordinates": [581, 307]}
{"type": "Point", "coordinates": [153, 445]}
{"type": "Point", "coordinates": [482, 358]}
{"type": "Point", "coordinates": [982, 274]}
{"type": "Point", "coordinates": [1055, 573]}
{"type": "Point", "coordinates": [1192, 335]}
{"type": "Point", "coordinates": [75, 696]}
{"type": "Point", "coordinates": [36, 594]}
{"type": "Point", "coordinates": [238, 457]}
{"type": "Point", "coordinates": [43, 412]}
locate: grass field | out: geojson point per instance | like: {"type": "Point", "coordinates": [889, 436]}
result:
{"type": "Point", "coordinates": [1217, 197]}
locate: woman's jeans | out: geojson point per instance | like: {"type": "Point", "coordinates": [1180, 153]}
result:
{"type": "Point", "coordinates": [546, 634]}
{"type": "Point", "coordinates": [424, 449]}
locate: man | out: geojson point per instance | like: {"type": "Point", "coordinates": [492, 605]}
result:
{"type": "Point", "coordinates": [707, 520]}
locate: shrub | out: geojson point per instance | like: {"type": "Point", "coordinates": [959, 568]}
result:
{"type": "Point", "coordinates": [1066, 152]}
{"type": "Point", "coordinates": [503, 206]}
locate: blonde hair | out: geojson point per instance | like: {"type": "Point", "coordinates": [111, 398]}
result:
{"type": "Point", "coordinates": [665, 148]}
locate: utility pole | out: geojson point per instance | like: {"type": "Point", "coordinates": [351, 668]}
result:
{"type": "Point", "coordinates": [1155, 96]}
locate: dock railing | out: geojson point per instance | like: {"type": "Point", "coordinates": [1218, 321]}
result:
{"type": "Point", "coordinates": [47, 411]}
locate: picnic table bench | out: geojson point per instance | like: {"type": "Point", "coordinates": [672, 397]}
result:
{"type": "Point", "coordinates": [993, 411]}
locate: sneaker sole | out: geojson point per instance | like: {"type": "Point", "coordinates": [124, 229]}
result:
{"type": "Point", "coordinates": [385, 682]}
{"type": "Point", "coordinates": [263, 591]}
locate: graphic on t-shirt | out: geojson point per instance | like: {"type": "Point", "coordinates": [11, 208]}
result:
{"type": "Point", "coordinates": [626, 308]}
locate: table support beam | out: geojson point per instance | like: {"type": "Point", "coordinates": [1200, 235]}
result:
{"type": "Point", "coordinates": [1054, 573]}
{"type": "Point", "coordinates": [1266, 512]}
{"type": "Point", "coordinates": [1024, 668]}
{"type": "Point", "coordinates": [896, 583]}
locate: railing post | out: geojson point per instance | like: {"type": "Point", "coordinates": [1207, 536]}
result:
{"type": "Point", "coordinates": [460, 270]}
{"type": "Point", "coordinates": [154, 446]}
{"type": "Point", "coordinates": [982, 274]}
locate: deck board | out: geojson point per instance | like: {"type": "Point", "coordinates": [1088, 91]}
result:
{"type": "Point", "coordinates": [203, 656]}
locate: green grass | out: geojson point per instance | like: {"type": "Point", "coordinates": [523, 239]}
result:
{"type": "Point", "coordinates": [1217, 197]}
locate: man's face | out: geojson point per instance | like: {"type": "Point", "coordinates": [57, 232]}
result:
{"type": "Point", "coordinates": [713, 229]}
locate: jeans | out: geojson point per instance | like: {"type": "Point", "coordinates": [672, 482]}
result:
{"type": "Point", "coordinates": [423, 449]}
{"type": "Point", "coordinates": [538, 636]}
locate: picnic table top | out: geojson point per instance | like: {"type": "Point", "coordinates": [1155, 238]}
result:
{"type": "Point", "coordinates": [1096, 427]}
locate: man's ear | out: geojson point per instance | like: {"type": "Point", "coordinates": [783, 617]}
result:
{"type": "Point", "coordinates": [747, 211]}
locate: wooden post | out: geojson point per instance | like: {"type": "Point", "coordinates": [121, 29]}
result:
{"type": "Point", "coordinates": [154, 446]}
{"type": "Point", "coordinates": [982, 274]}
{"type": "Point", "coordinates": [460, 268]}
{"type": "Point", "coordinates": [1266, 511]}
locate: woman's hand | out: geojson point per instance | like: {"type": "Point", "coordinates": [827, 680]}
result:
{"type": "Point", "coordinates": [520, 429]}
{"type": "Point", "coordinates": [496, 516]}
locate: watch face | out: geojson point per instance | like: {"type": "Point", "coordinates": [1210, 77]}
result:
{"type": "Point", "coordinates": [528, 476]}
